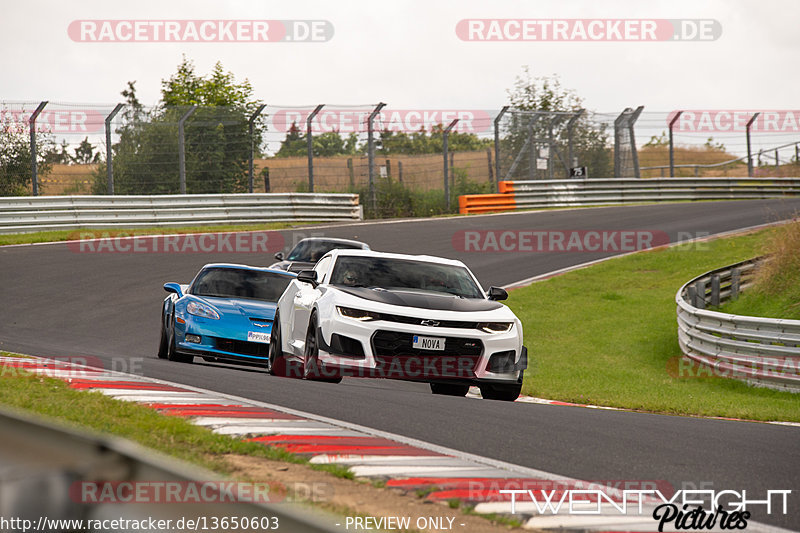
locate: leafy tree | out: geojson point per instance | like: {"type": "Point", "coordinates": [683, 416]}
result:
{"type": "Point", "coordinates": [294, 144]}
{"type": "Point", "coordinates": [217, 140]}
{"type": "Point", "coordinates": [85, 154]}
{"type": "Point", "coordinates": [590, 139]}
{"type": "Point", "coordinates": [15, 159]}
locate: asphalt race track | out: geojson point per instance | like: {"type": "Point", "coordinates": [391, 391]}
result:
{"type": "Point", "coordinates": [57, 302]}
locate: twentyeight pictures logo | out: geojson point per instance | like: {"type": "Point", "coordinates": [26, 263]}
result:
{"type": "Point", "coordinates": [200, 31]}
{"type": "Point", "coordinates": [590, 30]}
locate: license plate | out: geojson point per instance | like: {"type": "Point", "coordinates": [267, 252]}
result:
{"type": "Point", "coordinates": [258, 336]}
{"type": "Point", "coordinates": [428, 343]}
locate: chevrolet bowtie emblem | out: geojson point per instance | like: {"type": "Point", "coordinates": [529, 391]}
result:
{"type": "Point", "coordinates": [431, 323]}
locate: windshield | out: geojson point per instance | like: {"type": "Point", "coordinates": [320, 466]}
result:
{"type": "Point", "coordinates": [404, 274]}
{"type": "Point", "coordinates": [312, 251]}
{"type": "Point", "coordinates": [240, 283]}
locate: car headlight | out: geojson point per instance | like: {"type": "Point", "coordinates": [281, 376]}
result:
{"type": "Point", "coordinates": [357, 314]}
{"type": "Point", "coordinates": [495, 327]}
{"type": "Point", "coordinates": [203, 310]}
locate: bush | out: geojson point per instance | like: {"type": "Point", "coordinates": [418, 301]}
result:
{"type": "Point", "coordinates": [395, 199]}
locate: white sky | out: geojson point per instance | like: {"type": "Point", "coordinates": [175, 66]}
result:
{"type": "Point", "coordinates": [406, 53]}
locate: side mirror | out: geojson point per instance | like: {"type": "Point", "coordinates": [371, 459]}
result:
{"type": "Point", "coordinates": [174, 287]}
{"type": "Point", "coordinates": [279, 256]}
{"type": "Point", "coordinates": [308, 276]}
{"type": "Point", "coordinates": [496, 293]}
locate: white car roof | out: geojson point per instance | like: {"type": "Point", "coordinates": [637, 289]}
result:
{"type": "Point", "coordinates": [387, 255]}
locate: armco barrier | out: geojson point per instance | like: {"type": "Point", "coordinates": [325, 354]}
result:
{"type": "Point", "coordinates": [41, 213]}
{"type": "Point", "coordinates": [760, 351]}
{"type": "Point", "coordinates": [594, 192]}
{"type": "Point", "coordinates": [48, 468]}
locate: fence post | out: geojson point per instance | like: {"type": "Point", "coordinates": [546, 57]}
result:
{"type": "Point", "coordinates": [497, 147]}
{"type": "Point", "coordinates": [570, 124]}
{"type": "Point", "coordinates": [351, 173]}
{"type": "Point", "coordinates": [251, 129]}
{"type": "Point", "coordinates": [749, 152]}
{"type": "Point", "coordinates": [400, 171]}
{"type": "Point", "coordinates": [671, 145]}
{"type": "Point", "coordinates": [735, 277]}
{"type": "Point", "coordinates": [445, 135]}
{"type": "Point", "coordinates": [617, 143]}
{"type": "Point", "coordinates": [491, 168]}
{"type": "Point", "coordinates": [388, 169]}
{"type": "Point", "coordinates": [700, 299]}
{"type": "Point", "coordinates": [634, 152]}
{"type": "Point", "coordinates": [310, 146]}
{"type": "Point", "coordinates": [265, 172]}
{"type": "Point", "coordinates": [371, 157]}
{"type": "Point", "coordinates": [182, 149]}
{"type": "Point", "coordinates": [34, 165]}
{"type": "Point", "coordinates": [109, 152]}
{"type": "Point", "coordinates": [715, 290]}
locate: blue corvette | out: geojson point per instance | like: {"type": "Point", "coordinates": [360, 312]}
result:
{"type": "Point", "coordinates": [224, 314]}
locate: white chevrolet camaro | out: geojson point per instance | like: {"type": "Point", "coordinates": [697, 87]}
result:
{"type": "Point", "coordinates": [361, 313]}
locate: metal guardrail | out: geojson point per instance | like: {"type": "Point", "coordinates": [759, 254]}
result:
{"type": "Point", "coordinates": [594, 192]}
{"type": "Point", "coordinates": [760, 351]}
{"type": "Point", "coordinates": [44, 469]}
{"type": "Point", "coordinates": [41, 213]}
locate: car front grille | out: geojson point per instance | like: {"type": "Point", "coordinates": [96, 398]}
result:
{"type": "Point", "coordinates": [426, 322]}
{"type": "Point", "coordinates": [394, 353]}
{"type": "Point", "coordinates": [258, 349]}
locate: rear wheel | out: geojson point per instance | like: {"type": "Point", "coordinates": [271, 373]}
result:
{"type": "Point", "coordinates": [311, 366]}
{"type": "Point", "coordinates": [503, 392]}
{"type": "Point", "coordinates": [449, 389]}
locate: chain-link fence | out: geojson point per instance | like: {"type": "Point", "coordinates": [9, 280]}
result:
{"type": "Point", "coordinates": [394, 158]}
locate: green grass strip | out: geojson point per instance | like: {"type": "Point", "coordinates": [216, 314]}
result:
{"type": "Point", "coordinates": [607, 335]}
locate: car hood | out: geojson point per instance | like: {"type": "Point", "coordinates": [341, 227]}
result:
{"type": "Point", "coordinates": [422, 300]}
{"type": "Point", "coordinates": [293, 266]}
{"type": "Point", "coordinates": [244, 307]}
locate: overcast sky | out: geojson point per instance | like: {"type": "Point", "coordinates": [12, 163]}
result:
{"type": "Point", "coordinates": [407, 53]}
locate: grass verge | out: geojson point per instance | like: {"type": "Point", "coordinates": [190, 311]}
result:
{"type": "Point", "coordinates": [66, 235]}
{"type": "Point", "coordinates": [607, 335]}
{"type": "Point", "coordinates": [775, 292]}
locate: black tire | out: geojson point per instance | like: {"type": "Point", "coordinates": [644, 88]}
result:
{"type": "Point", "coordinates": [163, 344]}
{"type": "Point", "coordinates": [276, 364]}
{"type": "Point", "coordinates": [173, 354]}
{"type": "Point", "coordinates": [502, 392]}
{"type": "Point", "coordinates": [311, 366]}
{"type": "Point", "coordinates": [449, 389]}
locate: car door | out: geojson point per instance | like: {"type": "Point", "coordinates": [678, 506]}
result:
{"type": "Point", "coordinates": [303, 303]}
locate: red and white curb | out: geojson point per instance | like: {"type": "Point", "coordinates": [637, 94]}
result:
{"type": "Point", "coordinates": [403, 463]}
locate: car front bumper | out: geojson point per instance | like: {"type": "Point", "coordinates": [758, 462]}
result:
{"type": "Point", "coordinates": [384, 349]}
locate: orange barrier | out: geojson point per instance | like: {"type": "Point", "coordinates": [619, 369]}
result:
{"type": "Point", "coordinates": [486, 203]}
{"type": "Point", "coordinates": [505, 186]}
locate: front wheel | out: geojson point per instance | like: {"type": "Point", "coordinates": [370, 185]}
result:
{"type": "Point", "coordinates": [312, 369]}
{"type": "Point", "coordinates": [276, 364]}
{"type": "Point", "coordinates": [501, 391]}
{"type": "Point", "coordinates": [173, 354]}
{"type": "Point", "coordinates": [449, 389]}
{"type": "Point", "coordinates": [163, 344]}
